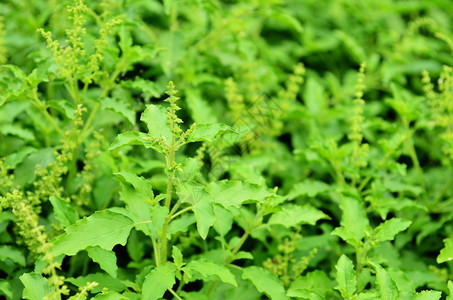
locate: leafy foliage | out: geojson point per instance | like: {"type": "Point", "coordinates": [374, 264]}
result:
{"type": "Point", "coordinates": [226, 149]}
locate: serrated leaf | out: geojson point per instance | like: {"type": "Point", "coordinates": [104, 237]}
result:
{"type": "Point", "coordinates": [386, 284]}
{"type": "Point", "coordinates": [177, 257]}
{"type": "Point", "coordinates": [346, 278]}
{"type": "Point", "coordinates": [17, 130]}
{"type": "Point", "coordinates": [63, 106]}
{"type": "Point", "coordinates": [105, 258]}
{"type": "Point", "coordinates": [446, 254]}
{"type": "Point", "coordinates": [104, 229]}
{"type": "Point", "coordinates": [309, 188]}
{"type": "Point", "coordinates": [36, 287]}
{"type": "Point", "coordinates": [389, 229]}
{"type": "Point", "coordinates": [64, 212]}
{"type": "Point", "coordinates": [9, 252]}
{"type": "Point", "coordinates": [427, 295]}
{"type": "Point", "coordinates": [158, 281]}
{"type": "Point", "coordinates": [292, 215]}
{"type": "Point", "coordinates": [208, 132]}
{"type": "Point", "coordinates": [208, 268]}
{"type": "Point", "coordinates": [354, 221]}
{"type": "Point", "coordinates": [265, 282]}
{"type": "Point", "coordinates": [230, 193]}
{"type": "Point", "coordinates": [121, 107]}
{"type": "Point", "coordinates": [202, 205]}
{"type": "Point", "coordinates": [155, 117]}
{"type": "Point", "coordinates": [140, 184]}
{"type": "Point", "coordinates": [138, 208]}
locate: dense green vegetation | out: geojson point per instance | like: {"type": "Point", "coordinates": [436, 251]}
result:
{"type": "Point", "coordinates": [208, 149]}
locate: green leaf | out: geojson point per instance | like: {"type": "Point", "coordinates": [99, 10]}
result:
{"type": "Point", "coordinates": [354, 221]}
{"type": "Point", "coordinates": [25, 172]}
{"type": "Point", "coordinates": [450, 290]}
{"type": "Point", "coordinates": [16, 158]}
{"type": "Point", "coordinates": [17, 130]}
{"type": "Point", "coordinates": [346, 278]}
{"type": "Point", "coordinates": [63, 106]}
{"type": "Point", "coordinates": [223, 221]}
{"type": "Point", "coordinates": [427, 295]}
{"type": "Point", "coordinates": [105, 258]}
{"type": "Point", "coordinates": [386, 284]}
{"type": "Point", "coordinates": [135, 246]}
{"type": "Point", "coordinates": [177, 257]}
{"type": "Point", "coordinates": [5, 289]}
{"type": "Point", "coordinates": [158, 281]}
{"type": "Point", "coordinates": [352, 46]}
{"type": "Point", "coordinates": [208, 132]}
{"type": "Point", "coordinates": [148, 87]}
{"type": "Point", "coordinates": [104, 229]}
{"type": "Point", "coordinates": [64, 212]}
{"type": "Point", "coordinates": [36, 286]}
{"type": "Point", "coordinates": [209, 268]}
{"type": "Point", "coordinates": [119, 106]}
{"type": "Point", "coordinates": [9, 252]}
{"type": "Point", "coordinates": [111, 296]}
{"type": "Point", "coordinates": [389, 229]}
{"type": "Point", "coordinates": [201, 201]}
{"type": "Point", "coordinates": [200, 110]}
{"type": "Point", "coordinates": [190, 169]}
{"type": "Point", "coordinates": [287, 19]}
{"type": "Point", "coordinates": [155, 117]}
{"type": "Point", "coordinates": [265, 282]}
{"type": "Point", "coordinates": [103, 280]}
{"type": "Point", "coordinates": [158, 216]}
{"type": "Point", "coordinates": [131, 138]}
{"type": "Point", "coordinates": [309, 188]}
{"type": "Point", "coordinates": [446, 254]}
{"type": "Point", "coordinates": [292, 215]}
{"type": "Point", "coordinates": [137, 208]}
{"type": "Point", "coordinates": [313, 283]}
{"type": "Point", "coordinates": [141, 185]}
{"type": "Point", "coordinates": [173, 42]}
{"type": "Point", "coordinates": [314, 97]}
{"type": "Point", "coordinates": [230, 193]}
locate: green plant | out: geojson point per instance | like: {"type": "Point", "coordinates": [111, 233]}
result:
{"type": "Point", "coordinates": [313, 162]}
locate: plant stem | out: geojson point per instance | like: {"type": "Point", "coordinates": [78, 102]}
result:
{"type": "Point", "coordinates": [175, 294]}
{"type": "Point", "coordinates": [171, 217]}
{"type": "Point", "coordinates": [43, 110]}
{"type": "Point", "coordinates": [170, 158]}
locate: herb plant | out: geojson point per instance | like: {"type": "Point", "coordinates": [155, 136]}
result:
{"type": "Point", "coordinates": [255, 149]}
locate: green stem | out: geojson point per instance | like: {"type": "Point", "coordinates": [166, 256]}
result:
{"type": "Point", "coordinates": [170, 165]}
{"type": "Point", "coordinates": [180, 212]}
{"type": "Point", "coordinates": [93, 113]}
{"type": "Point", "coordinates": [175, 294]}
{"type": "Point", "coordinates": [43, 110]}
